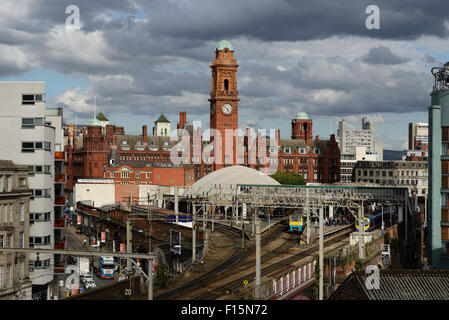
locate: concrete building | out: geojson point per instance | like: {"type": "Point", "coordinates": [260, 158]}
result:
{"type": "Point", "coordinates": [348, 138]}
{"type": "Point", "coordinates": [348, 161]}
{"type": "Point", "coordinates": [31, 135]}
{"type": "Point", "coordinates": [418, 136]}
{"type": "Point", "coordinates": [395, 173]}
{"type": "Point", "coordinates": [438, 233]}
{"type": "Point", "coordinates": [15, 283]}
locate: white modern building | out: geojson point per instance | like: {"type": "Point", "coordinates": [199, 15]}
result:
{"type": "Point", "coordinates": [348, 138]}
{"type": "Point", "coordinates": [349, 160]}
{"type": "Point", "coordinates": [32, 135]}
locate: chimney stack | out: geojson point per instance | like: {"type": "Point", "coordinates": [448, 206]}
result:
{"type": "Point", "coordinates": [144, 133]}
{"type": "Point", "coordinates": [182, 120]}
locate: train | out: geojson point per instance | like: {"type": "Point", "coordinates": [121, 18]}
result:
{"type": "Point", "coordinates": [373, 220]}
{"type": "Point", "coordinates": [295, 223]}
{"type": "Point", "coordinates": [181, 218]}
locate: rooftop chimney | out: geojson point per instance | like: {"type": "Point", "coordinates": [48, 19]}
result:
{"type": "Point", "coordinates": [144, 133]}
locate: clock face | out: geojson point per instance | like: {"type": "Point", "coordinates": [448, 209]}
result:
{"type": "Point", "coordinates": [226, 109]}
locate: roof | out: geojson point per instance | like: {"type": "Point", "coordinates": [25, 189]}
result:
{"type": "Point", "coordinates": [162, 118]}
{"type": "Point", "coordinates": [224, 44]}
{"type": "Point", "coordinates": [302, 115]}
{"type": "Point", "coordinates": [397, 285]}
{"type": "Point", "coordinates": [232, 175]}
{"type": "Point", "coordinates": [94, 123]}
{"type": "Point", "coordinates": [101, 117]}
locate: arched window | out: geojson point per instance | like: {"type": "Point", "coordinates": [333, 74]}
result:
{"type": "Point", "coordinates": [226, 84]}
{"type": "Point", "coordinates": [165, 131]}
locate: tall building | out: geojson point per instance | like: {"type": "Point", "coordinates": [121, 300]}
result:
{"type": "Point", "coordinates": [94, 153]}
{"type": "Point", "coordinates": [348, 138]}
{"type": "Point", "coordinates": [224, 98]}
{"type": "Point", "coordinates": [438, 221]}
{"type": "Point", "coordinates": [15, 195]}
{"type": "Point", "coordinates": [418, 136]}
{"type": "Point", "coordinates": [31, 135]}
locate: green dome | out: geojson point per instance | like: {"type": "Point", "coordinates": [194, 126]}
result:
{"type": "Point", "coordinates": [224, 44]}
{"type": "Point", "coordinates": [94, 123]}
{"type": "Point", "coordinates": [302, 116]}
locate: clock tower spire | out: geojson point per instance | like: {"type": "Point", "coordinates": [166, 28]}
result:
{"type": "Point", "coordinates": [224, 102]}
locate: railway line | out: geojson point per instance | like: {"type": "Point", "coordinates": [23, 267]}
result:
{"type": "Point", "coordinates": [230, 269]}
{"type": "Point", "coordinates": [278, 267]}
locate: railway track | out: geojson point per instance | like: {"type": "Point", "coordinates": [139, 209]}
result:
{"type": "Point", "coordinates": [279, 267]}
{"type": "Point", "coordinates": [208, 277]}
{"type": "Point", "coordinates": [230, 268]}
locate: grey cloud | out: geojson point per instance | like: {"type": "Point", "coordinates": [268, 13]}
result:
{"type": "Point", "coordinates": [383, 55]}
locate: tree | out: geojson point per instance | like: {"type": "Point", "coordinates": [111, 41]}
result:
{"type": "Point", "coordinates": [288, 178]}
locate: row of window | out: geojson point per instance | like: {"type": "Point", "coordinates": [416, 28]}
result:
{"type": "Point", "coordinates": [39, 241]}
{"type": "Point", "coordinates": [41, 193]}
{"type": "Point", "coordinates": [7, 271]}
{"type": "Point", "coordinates": [6, 212]}
{"type": "Point", "coordinates": [32, 98]}
{"type": "Point", "coordinates": [39, 169]}
{"type": "Point", "coordinates": [30, 123]}
{"type": "Point", "coordinates": [40, 216]}
{"type": "Point", "coordinates": [36, 145]}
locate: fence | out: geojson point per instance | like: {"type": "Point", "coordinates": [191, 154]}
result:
{"type": "Point", "coordinates": [185, 265]}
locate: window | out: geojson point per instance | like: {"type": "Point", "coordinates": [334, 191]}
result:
{"type": "Point", "coordinates": [8, 276]}
{"type": "Point", "coordinates": [5, 213]}
{"type": "Point", "coordinates": [2, 283]}
{"type": "Point", "coordinates": [22, 212]}
{"type": "Point", "coordinates": [30, 99]}
{"type": "Point", "coordinates": [125, 174]}
{"type": "Point", "coordinates": [22, 182]}
{"type": "Point", "coordinates": [226, 84]}
{"type": "Point", "coordinates": [7, 185]}
{"type": "Point", "coordinates": [10, 213]}
{"type": "Point", "coordinates": [21, 243]}
{"type": "Point", "coordinates": [31, 146]}
{"type": "Point", "coordinates": [29, 123]}
{"type": "Point", "coordinates": [8, 241]}
{"type": "Point", "coordinates": [45, 216]}
{"type": "Point", "coordinates": [2, 239]}
{"type": "Point", "coordinates": [21, 270]}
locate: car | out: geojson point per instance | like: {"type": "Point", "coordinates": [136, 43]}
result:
{"type": "Point", "coordinates": [88, 282]}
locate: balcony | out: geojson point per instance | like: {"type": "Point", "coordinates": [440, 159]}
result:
{"type": "Point", "coordinates": [59, 223]}
{"type": "Point", "coordinates": [60, 200]}
{"type": "Point", "coordinates": [60, 245]}
{"type": "Point", "coordinates": [59, 268]}
{"type": "Point", "coordinates": [60, 178]}
{"type": "Point", "coordinates": [59, 155]}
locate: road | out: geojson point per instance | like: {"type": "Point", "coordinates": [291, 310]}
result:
{"type": "Point", "coordinates": [75, 241]}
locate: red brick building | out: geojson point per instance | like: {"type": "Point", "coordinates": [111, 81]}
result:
{"type": "Point", "coordinates": [100, 149]}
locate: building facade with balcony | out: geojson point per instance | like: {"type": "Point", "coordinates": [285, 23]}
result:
{"type": "Point", "coordinates": [15, 283]}
{"type": "Point", "coordinates": [31, 135]}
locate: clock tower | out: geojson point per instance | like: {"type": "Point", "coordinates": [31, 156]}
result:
{"type": "Point", "coordinates": [224, 102]}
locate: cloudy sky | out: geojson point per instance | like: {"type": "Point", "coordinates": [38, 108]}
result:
{"type": "Point", "coordinates": [141, 58]}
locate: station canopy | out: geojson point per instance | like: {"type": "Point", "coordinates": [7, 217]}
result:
{"type": "Point", "coordinates": [227, 177]}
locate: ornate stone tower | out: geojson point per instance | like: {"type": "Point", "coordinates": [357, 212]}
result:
{"type": "Point", "coordinates": [224, 102]}
{"type": "Point", "coordinates": [302, 127]}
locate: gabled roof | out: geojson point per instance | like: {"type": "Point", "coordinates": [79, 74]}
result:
{"type": "Point", "coordinates": [101, 117]}
{"type": "Point", "coordinates": [162, 118]}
